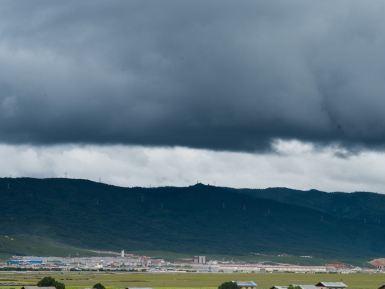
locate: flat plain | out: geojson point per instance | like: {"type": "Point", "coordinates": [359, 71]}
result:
{"type": "Point", "coordinates": [77, 280]}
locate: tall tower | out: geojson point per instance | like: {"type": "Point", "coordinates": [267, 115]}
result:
{"type": "Point", "coordinates": [122, 253]}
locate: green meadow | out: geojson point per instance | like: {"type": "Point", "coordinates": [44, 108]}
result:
{"type": "Point", "coordinates": [76, 280]}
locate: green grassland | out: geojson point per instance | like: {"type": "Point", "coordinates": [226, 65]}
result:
{"type": "Point", "coordinates": [76, 280]}
{"type": "Point", "coordinates": [39, 246]}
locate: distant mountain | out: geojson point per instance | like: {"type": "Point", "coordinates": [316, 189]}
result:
{"type": "Point", "coordinates": [196, 219]}
{"type": "Point", "coordinates": [362, 207]}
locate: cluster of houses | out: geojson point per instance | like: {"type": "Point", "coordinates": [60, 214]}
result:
{"type": "Point", "coordinates": [320, 285]}
{"type": "Point", "coordinates": [253, 285]}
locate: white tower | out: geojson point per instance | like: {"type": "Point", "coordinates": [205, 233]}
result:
{"type": "Point", "coordinates": [122, 253]}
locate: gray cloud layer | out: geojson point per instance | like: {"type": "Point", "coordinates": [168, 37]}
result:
{"type": "Point", "coordinates": [210, 74]}
{"type": "Point", "coordinates": [297, 165]}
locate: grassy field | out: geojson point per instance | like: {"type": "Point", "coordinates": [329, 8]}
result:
{"type": "Point", "coordinates": [188, 280]}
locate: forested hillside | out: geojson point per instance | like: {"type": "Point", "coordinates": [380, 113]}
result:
{"type": "Point", "coordinates": [195, 219]}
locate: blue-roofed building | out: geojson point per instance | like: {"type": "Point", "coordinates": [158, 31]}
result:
{"type": "Point", "coordinates": [24, 262]}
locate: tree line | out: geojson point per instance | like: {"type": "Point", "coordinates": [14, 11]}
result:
{"type": "Point", "coordinates": [51, 282]}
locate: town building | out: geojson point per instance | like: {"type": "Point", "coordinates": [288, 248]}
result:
{"type": "Point", "coordinates": [246, 284]}
{"type": "Point", "coordinates": [301, 286]}
{"type": "Point", "coordinates": [37, 287]}
{"type": "Point", "coordinates": [199, 259]}
{"type": "Point", "coordinates": [331, 285]}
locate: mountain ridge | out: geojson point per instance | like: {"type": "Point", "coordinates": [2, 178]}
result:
{"type": "Point", "coordinates": [195, 219]}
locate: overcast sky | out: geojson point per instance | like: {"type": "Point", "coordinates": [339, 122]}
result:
{"type": "Point", "coordinates": [241, 93]}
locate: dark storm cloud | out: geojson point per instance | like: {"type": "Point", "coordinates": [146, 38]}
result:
{"type": "Point", "coordinates": [214, 74]}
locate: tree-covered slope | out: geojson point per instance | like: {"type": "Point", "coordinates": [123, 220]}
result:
{"type": "Point", "coordinates": [363, 207]}
{"type": "Point", "coordinates": [196, 219]}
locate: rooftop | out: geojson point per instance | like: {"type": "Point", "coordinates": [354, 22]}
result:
{"type": "Point", "coordinates": [37, 287]}
{"type": "Point", "coordinates": [306, 286]}
{"type": "Point", "coordinates": [246, 283]}
{"type": "Point", "coordinates": [332, 284]}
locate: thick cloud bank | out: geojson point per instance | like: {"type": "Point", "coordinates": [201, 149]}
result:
{"type": "Point", "coordinates": [297, 165]}
{"type": "Point", "coordinates": [231, 75]}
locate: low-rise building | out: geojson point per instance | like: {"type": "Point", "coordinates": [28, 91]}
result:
{"type": "Point", "coordinates": [246, 284]}
{"type": "Point", "coordinates": [331, 285]}
{"type": "Point", "coordinates": [306, 286]}
{"type": "Point", "coordinates": [279, 287]}
{"type": "Point", "coordinates": [37, 287]}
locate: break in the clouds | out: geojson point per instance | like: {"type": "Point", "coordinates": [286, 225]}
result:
{"type": "Point", "coordinates": [232, 75]}
{"type": "Point", "coordinates": [293, 164]}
